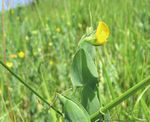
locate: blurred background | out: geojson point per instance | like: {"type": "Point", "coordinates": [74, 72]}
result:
{"type": "Point", "coordinates": [39, 39]}
{"type": "Point", "coordinates": [10, 4]}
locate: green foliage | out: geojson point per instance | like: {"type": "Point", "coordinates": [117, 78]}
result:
{"type": "Point", "coordinates": [84, 73]}
{"type": "Point", "coordinates": [48, 33]}
{"type": "Point", "coordinates": [90, 99]}
{"type": "Point", "coordinates": [83, 70]}
{"type": "Point", "coordinates": [73, 111]}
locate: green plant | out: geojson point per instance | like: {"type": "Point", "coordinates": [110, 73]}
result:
{"type": "Point", "coordinates": [83, 102]}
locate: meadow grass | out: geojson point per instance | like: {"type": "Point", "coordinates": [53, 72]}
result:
{"type": "Point", "coordinates": [48, 34]}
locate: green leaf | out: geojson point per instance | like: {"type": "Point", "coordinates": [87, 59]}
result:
{"type": "Point", "coordinates": [52, 114]}
{"type": "Point", "coordinates": [73, 111]}
{"type": "Point", "coordinates": [83, 69]}
{"type": "Point", "coordinates": [146, 110]}
{"type": "Point", "coordinates": [90, 99]}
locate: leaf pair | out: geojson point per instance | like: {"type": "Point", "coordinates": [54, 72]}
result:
{"type": "Point", "coordinates": [84, 79]}
{"type": "Point", "coordinates": [84, 73]}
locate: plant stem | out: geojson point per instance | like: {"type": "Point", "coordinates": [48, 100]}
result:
{"type": "Point", "coordinates": [26, 85]}
{"type": "Point", "coordinates": [121, 98]}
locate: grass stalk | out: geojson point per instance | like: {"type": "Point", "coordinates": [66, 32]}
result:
{"type": "Point", "coordinates": [121, 98]}
{"type": "Point", "coordinates": [32, 90]}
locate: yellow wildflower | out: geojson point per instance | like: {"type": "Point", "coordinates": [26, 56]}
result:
{"type": "Point", "coordinates": [13, 56]}
{"type": "Point", "coordinates": [98, 37]}
{"type": "Point", "coordinates": [102, 33]}
{"type": "Point", "coordinates": [51, 62]}
{"type": "Point", "coordinates": [21, 54]}
{"type": "Point", "coordinates": [50, 43]}
{"type": "Point", "coordinates": [58, 30]}
{"type": "Point", "coordinates": [9, 64]}
{"type": "Point", "coordinates": [39, 49]}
